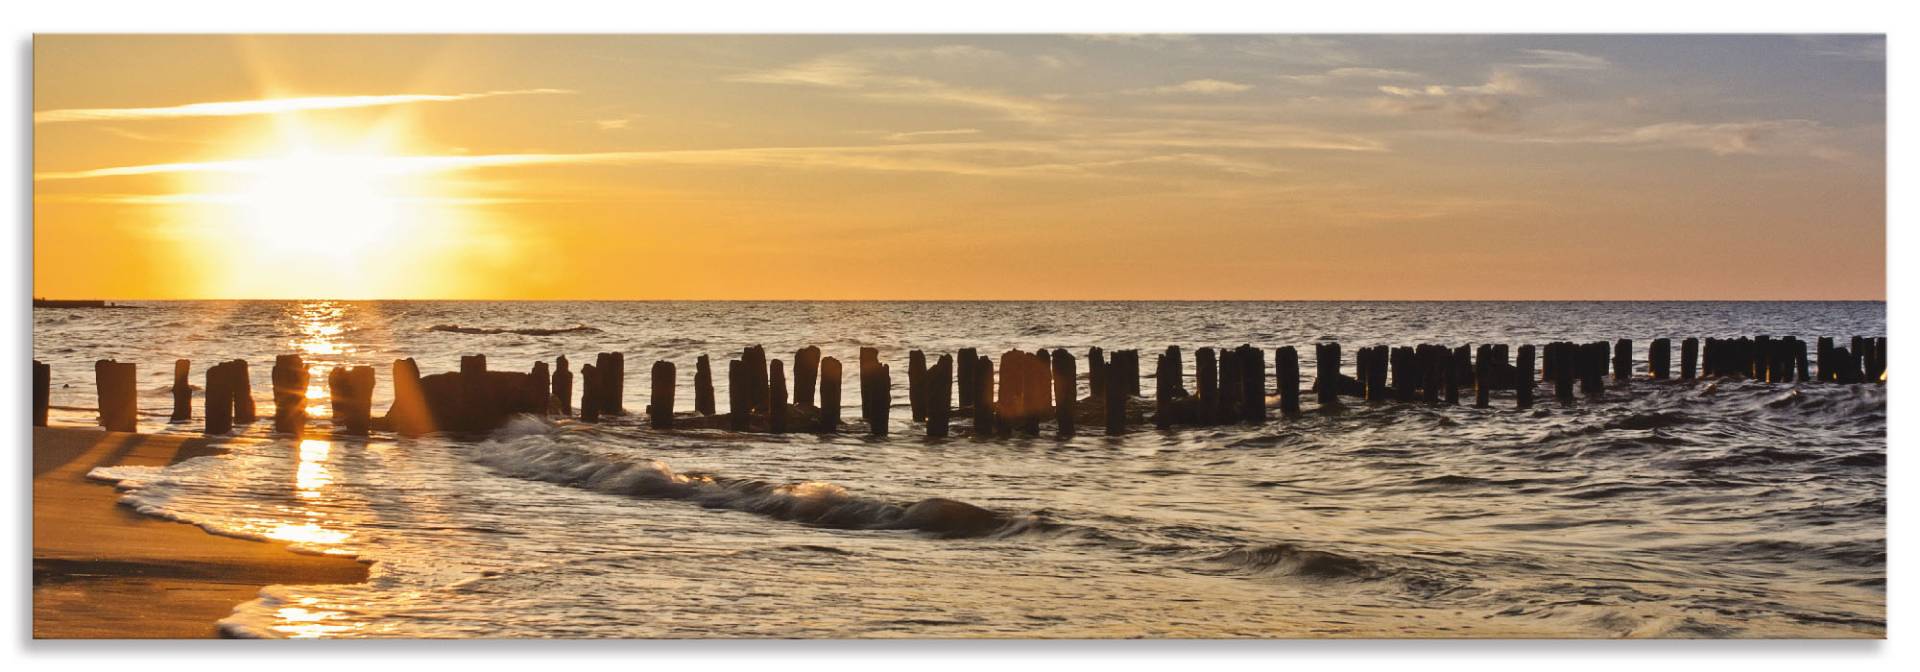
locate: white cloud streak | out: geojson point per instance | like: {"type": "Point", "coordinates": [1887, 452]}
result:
{"type": "Point", "coordinates": [237, 108]}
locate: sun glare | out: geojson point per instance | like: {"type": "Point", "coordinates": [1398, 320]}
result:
{"type": "Point", "coordinates": [336, 206]}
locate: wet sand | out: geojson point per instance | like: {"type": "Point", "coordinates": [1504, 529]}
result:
{"type": "Point", "coordinates": [101, 570]}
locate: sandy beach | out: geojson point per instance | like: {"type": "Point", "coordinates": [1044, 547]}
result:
{"type": "Point", "coordinates": [101, 570]}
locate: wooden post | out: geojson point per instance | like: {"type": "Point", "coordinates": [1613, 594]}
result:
{"type": "Point", "coordinates": [539, 389]}
{"type": "Point", "coordinates": [806, 369]}
{"type": "Point", "coordinates": [408, 415]}
{"type": "Point", "coordinates": [703, 385]}
{"type": "Point", "coordinates": [590, 390]}
{"type": "Point", "coordinates": [219, 398]}
{"type": "Point", "coordinates": [1560, 353]}
{"type": "Point", "coordinates": [611, 369]}
{"type": "Point", "coordinates": [1163, 390]}
{"type": "Point", "coordinates": [182, 392]}
{"type": "Point", "coordinates": [1823, 355]}
{"type": "Point", "coordinates": [1327, 373]}
{"type": "Point", "coordinates": [1115, 397]}
{"type": "Point", "coordinates": [1689, 357]}
{"type": "Point", "coordinates": [983, 421]}
{"type": "Point", "coordinates": [660, 406]}
{"type": "Point", "coordinates": [560, 400]}
{"type": "Point", "coordinates": [916, 385]}
{"type": "Point", "coordinates": [939, 399]}
{"type": "Point", "coordinates": [875, 393]}
{"type": "Point", "coordinates": [1623, 360]}
{"type": "Point", "coordinates": [1065, 394]}
{"type": "Point", "coordinates": [830, 378]}
{"type": "Point", "coordinates": [42, 392]}
{"type": "Point", "coordinates": [1011, 404]}
{"type": "Point", "coordinates": [1096, 373]}
{"type": "Point", "coordinates": [290, 380]}
{"type": "Point", "coordinates": [1482, 376]}
{"type": "Point", "coordinates": [476, 397]}
{"type": "Point", "coordinates": [756, 393]}
{"type": "Point", "coordinates": [244, 410]}
{"type": "Point", "coordinates": [1659, 356]}
{"type": "Point", "coordinates": [1523, 378]}
{"type": "Point", "coordinates": [739, 409]}
{"type": "Point", "coordinates": [350, 392]}
{"type": "Point", "coordinates": [1254, 380]}
{"type": "Point", "coordinates": [1206, 374]}
{"type": "Point", "coordinates": [1286, 363]}
{"type": "Point", "coordinates": [777, 410]}
{"type": "Point", "coordinates": [963, 372]}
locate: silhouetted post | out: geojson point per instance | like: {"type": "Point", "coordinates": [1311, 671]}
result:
{"type": "Point", "coordinates": [1123, 369]}
{"type": "Point", "coordinates": [1327, 373]}
{"type": "Point", "coordinates": [660, 407]}
{"type": "Point", "coordinates": [1096, 373]}
{"type": "Point", "coordinates": [590, 390]}
{"type": "Point", "coordinates": [1562, 370]}
{"type": "Point", "coordinates": [830, 377]}
{"type": "Point", "coordinates": [1800, 360]}
{"type": "Point", "coordinates": [1823, 355]}
{"type": "Point", "coordinates": [1206, 375]}
{"type": "Point", "coordinates": [1064, 393]}
{"type": "Point", "coordinates": [754, 363]}
{"type": "Point", "coordinates": [777, 391]}
{"type": "Point", "coordinates": [875, 392]}
{"type": "Point", "coordinates": [1523, 384]}
{"type": "Point", "coordinates": [1659, 357]}
{"type": "Point", "coordinates": [1254, 381]}
{"type": "Point", "coordinates": [611, 369]}
{"type": "Point", "coordinates": [560, 399]}
{"type": "Point", "coordinates": [1623, 359]}
{"type": "Point", "coordinates": [916, 385]}
{"type": "Point", "coordinates": [539, 389]}
{"type": "Point", "coordinates": [1115, 396]}
{"type": "Point", "coordinates": [963, 372]}
{"type": "Point", "coordinates": [350, 392]}
{"type": "Point", "coordinates": [1846, 366]}
{"type": "Point", "coordinates": [939, 399]}
{"type": "Point", "coordinates": [703, 384]}
{"type": "Point", "coordinates": [1400, 358]}
{"type": "Point", "coordinates": [1482, 376]}
{"type": "Point", "coordinates": [983, 397]}
{"type": "Point", "coordinates": [1450, 374]}
{"type": "Point", "coordinates": [290, 380]}
{"type": "Point", "coordinates": [1163, 392]}
{"type": "Point", "coordinates": [242, 392]}
{"type": "Point", "coordinates": [408, 415]}
{"type": "Point", "coordinates": [738, 408]}
{"type": "Point", "coordinates": [42, 392]}
{"type": "Point", "coordinates": [1689, 357]}
{"type": "Point", "coordinates": [806, 369]}
{"type": "Point", "coordinates": [1011, 404]}
{"type": "Point", "coordinates": [1286, 363]}
{"type": "Point", "coordinates": [182, 392]}
{"type": "Point", "coordinates": [219, 393]}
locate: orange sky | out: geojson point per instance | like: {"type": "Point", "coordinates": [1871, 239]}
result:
{"type": "Point", "coordinates": [960, 167]}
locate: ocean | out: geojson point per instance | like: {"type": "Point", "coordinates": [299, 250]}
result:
{"type": "Point", "coordinates": [1719, 508]}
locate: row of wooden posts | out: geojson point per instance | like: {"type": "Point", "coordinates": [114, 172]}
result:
{"type": "Point", "coordinates": [1231, 385]}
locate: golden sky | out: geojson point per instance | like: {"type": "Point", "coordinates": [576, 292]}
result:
{"type": "Point", "coordinates": [960, 167]}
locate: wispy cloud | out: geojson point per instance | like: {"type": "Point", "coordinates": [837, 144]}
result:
{"type": "Point", "coordinates": [1555, 59]}
{"type": "Point", "coordinates": [872, 74]}
{"type": "Point", "coordinates": [236, 108]}
{"type": "Point", "coordinates": [1861, 48]}
{"type": "Point", "coordinates": [1774, 137]}
{"type": "Point", "coordinates": [1350, 74]}
{"type": "Point", "coordinates": [911, 135]}
{"type": "Point", "coordinates": [1495, 105]}
{"type": "Point", "coordinates": [1204, 87]}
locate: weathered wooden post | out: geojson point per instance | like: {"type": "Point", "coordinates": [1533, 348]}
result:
{"type": "Point", "coordinates": [1560, 354]}
{"type": "Point", "coordinates": [983, 421]}
{"type": "Point", "coordinates": [590, 390]}
{"type": "Point", "coordinates": [1011, 406]}
{"type": "Point", "coordinates": [660, 406]}
{"type": "Point", "coordinates": [916, 385]}
{"type": "Point", "coordinates": [739, 409]}
{"type": "Point", "coordinates": [42, 392]}
{"type": "Point", "coordinates": [777, 395]}
{"type": "Point", "coordinates": [806, 369]}
{"type": "Point", "coordinates": [875, 391]}
{"type": "Point", "coordinates": [1326, 372]}
{"type": "Point", "coordinates": [1286, 362]}
{"type": "Point", "coordinates": [1623, 359]}
{"type": "Point", "coordinates": [1523, 377]}
{"type": "Point", "coordinates": [1823, 355]}
{"type": "Point", "coordinates": [1800, 360]}
{"type": "Point", "coordinates": [754, 363]}
{"type": "Point", "coordinates": [1064, 393]}
{"type": "Point", "coordinates": [476, 397]}
{"type": "Point", "coordinates": [219, 393]}
{"type": "Point", "coordinates": [1689, 357]}
{"type": "Point", "coordinates": [1115, 397]}
{"type": "Point", "coordinates": [538, 389]}
{"type": "Point", "coordinates": [611, 369]}
{"type": "Point", "coordinates": [1096, 373]}
{"type": "Point", "coordinates": [1659, 356]}
{"type": "Point", "coordinates": [290, 380]}
{"type": "Point", "coordinates": [560, 400]}
{"type": "Point", "coordinates": [963, 372]}
{"type": "Point", "coordinates": [182, 392]}
{"type": "Point", "coordinates": [830, 378]}
{"type": "Point", "coordinates": [408, 415]}
{"type": "Point", "coordinates": [1254, 379]}
{"type": "Point", "coordinates": [939, 400]}
{"type": "Point", "coordinates": [1163, 395]}
{"type": "Point", "coordinates": [1206, 375]}
{"type": "Point", "coordinates": [703, 384]}
{"type": "Point", "coordinates": [1482, 376]}
{"type": "Point", "coordinates": [350, 392]}
{"type": "Point", "coordinates": [244, 410]}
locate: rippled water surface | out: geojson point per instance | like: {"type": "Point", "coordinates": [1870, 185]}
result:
{"type": "Point", "coordinates": [1717, 509]}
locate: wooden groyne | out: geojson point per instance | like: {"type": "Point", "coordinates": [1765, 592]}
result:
{"type": "Point", "coordinates": [1029, 390]}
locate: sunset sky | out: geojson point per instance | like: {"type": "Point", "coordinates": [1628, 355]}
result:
{"type": "Point", "coordinates": [960, 167]}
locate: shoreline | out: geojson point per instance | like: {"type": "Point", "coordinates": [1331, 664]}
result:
{"type": "Point", "coordinates": [104, 571]}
